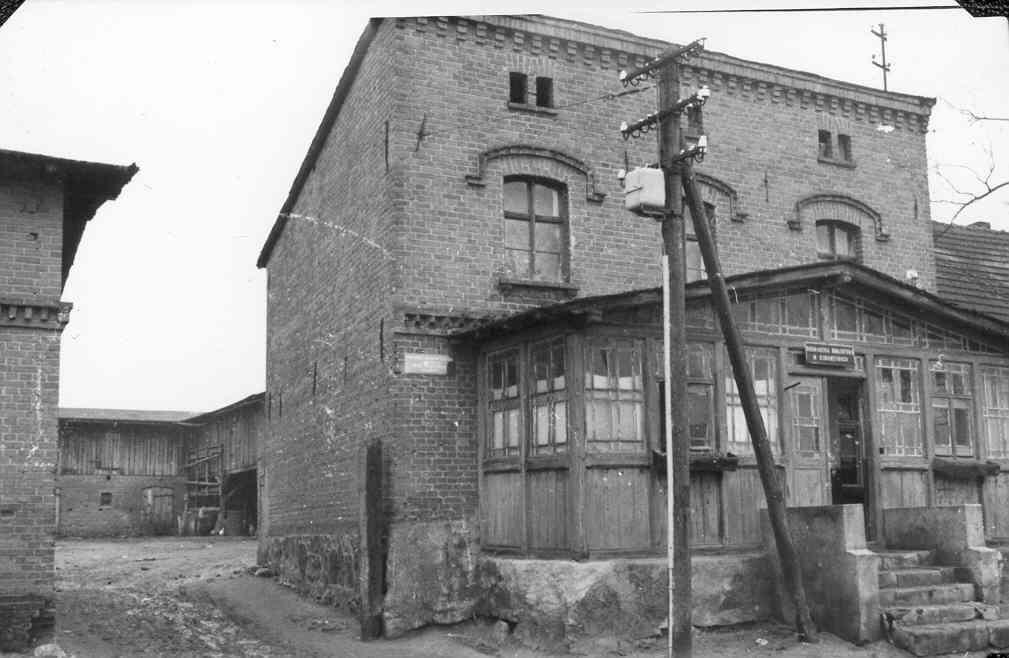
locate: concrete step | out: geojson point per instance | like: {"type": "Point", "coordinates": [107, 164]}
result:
{"type": "Point", "coordinates": [925, 595]}
{"type": "Point", "coordinates": [916, 576]}
{"type": "Point", "coordinates": [936, 639]}
{"type": "Point", "coordinates": [891, 559]}
{"type": "Point", "coordinates": [942, 613]}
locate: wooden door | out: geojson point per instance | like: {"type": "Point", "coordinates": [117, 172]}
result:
{"type": "Point", "coordinates": [159, 510]}
{"type": "Point", "coordinates": [809, 482]}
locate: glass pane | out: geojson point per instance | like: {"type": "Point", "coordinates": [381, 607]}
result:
{"type": "Point", "coordinates": [541, 422]}
{"type": "Point", "coordinates": [511, 378]}
{"type": "Point", "coordinates": [519, 261]}
{"type": "Point", "coordinates": [695, 263]}
{"type": "Point", "coordinates": [804, 405]}
{"type": "Point", "coordinates": [548, 237]}
{"type": "Point", "coordinates": [845, 315]}
{"type": "Point", "coordinates": [517, 234]}
{"type": "Point", "coordinates": [598, 421]}
{"type": "Point", "coordinates": [767, 311]}
{"type": "Point", "coordinates": [699, 415]}
{"type": "Point", "coordinates": [809, 438]}
{"type": "Point", "coordinates": [627, 421]}
{"type": "Point", "coordinates": [497, 379]}
{"type": "Point", "coordinates": [741, 313]}
{"type": "Point", "coordinates": [940, 426]}
{"type": "Point", "coordinates": [498, 438]}
{"type": "Point", "coordinates": [598, 377]}
{"type": "Point", "coordinates": [513, 430]}
{"type": "Point", "coordinates": [515, 197]}
{"type": "Point", "coordinates": [843, 241]}
{"type": "Point", "coordinates": [541, 369]}
{"type": "Point", "coordinates": [961, 427]}
{"type": "Point", "coordinates": [959, 386]}
{"type": "Point", "coordinates": [625, 370]}
{"type": "Point", "coordinates": [546, 201]}
{"type": "Point", "coordinates": [901, 330]}
{"type": "Point", "coordinates": [939, 381]}
{"type": "Point", "coordinates": [698, 360]}
{"type": "Point", "coordinates": [548, 267]}
{"type": "Point", "coordinates": [557, 365]}
{"type": "Point", "coordinates": [872, 323]}
{"type": "Point", "coordinates": [906, 393]}
{"type": "Point", "coordinates": [797, 310]}
{"type": "Point", "coordinates": [823, 238]}
{"type": "Point", "coordinates": [561, 423]}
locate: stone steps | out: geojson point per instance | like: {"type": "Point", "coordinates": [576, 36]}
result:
{"type": "Point", "coordinates": [916, 576]}
{"type": "Point", "coordinates": [926, 594]}
{"type": "Point", "coordinates": [926, 612]}
{"type": "Point", "coordinates": [960, 637]}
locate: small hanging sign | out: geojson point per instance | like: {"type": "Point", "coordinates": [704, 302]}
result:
{"type": "Point", "coordinates": [834, 355]}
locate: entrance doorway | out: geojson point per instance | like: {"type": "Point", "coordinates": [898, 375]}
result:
{"type": "Point", "coordinates": [849, 472]}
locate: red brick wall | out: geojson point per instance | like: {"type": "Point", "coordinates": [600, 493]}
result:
{"type": "Point", "coordinates": [30, 234]}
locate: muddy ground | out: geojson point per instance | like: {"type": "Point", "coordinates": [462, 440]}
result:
{"type": "Point", "coordinates": [194, 597]}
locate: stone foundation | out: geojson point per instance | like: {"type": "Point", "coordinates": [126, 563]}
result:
{"type": "Point", "coordinates": [561, 602]}
{"type": "Point", "coordinates": [23, 619]}
{"type": "Point", "coordinates": [325, 567]}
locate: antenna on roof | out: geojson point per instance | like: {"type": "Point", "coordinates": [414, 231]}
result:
{"type": "Point", "coordinates": [882, 44]}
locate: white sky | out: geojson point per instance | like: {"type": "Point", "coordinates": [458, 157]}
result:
{"type": "Point", "coordinates": [217, 101]}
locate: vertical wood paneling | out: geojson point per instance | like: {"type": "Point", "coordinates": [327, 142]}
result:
{"type": "Point", "coordinates": [744, 496]}
{"type": "Point", "coordinates": [92, 448]}
{"type": "Point", "coordinates": [956, 492]}
{"type": "Point", "coordinates": [902, 488]}
{"type": "Point", "coordinates": [807, 487]}
{"type": "Point", "coordinates": [548, 503]}
{"type": "Point", "coordinates": [503, 509]}
{"type": "Point", "coordinates": [997, 508]}
{"type": "Point", "coordinates": [616, 515]}
{"type": "Point", "coordinates": [705, 510]}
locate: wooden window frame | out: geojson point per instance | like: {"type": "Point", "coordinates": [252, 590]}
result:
{"type": "Point", "coordinates": [951, 401]}
{"type": "Point", "coordinates": [550, 398]}
{"type": "Point", "coordinates": [900, 408]}
{"type": "Point", "coordinates": [990, 414]}
{"type": "Point", "coordinates": [834, 227]}
{"type": "Point", "coordinates": [533, 219]}
{"type": "Point", "coordinates": [503, 405]}
{"type": "Point", "coordinates": [614, 393]}
{"type": "Point", "coordinates": [769, 402]}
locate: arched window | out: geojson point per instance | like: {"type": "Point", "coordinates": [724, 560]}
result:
{"type": "Point", "coordinates": [837, 240]}
{"type": "Point", "coordinates": [535, 217]}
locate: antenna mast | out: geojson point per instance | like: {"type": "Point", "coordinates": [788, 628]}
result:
{"type": "Point", "coordinates": [882, 43]}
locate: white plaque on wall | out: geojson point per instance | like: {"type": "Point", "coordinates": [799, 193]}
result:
{"type": "Point", "coordinates": [426, 364]}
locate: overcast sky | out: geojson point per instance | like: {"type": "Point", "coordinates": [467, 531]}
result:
{"type": "Point", "coordinates": [217, 101]}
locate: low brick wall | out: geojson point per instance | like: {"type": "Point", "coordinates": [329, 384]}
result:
{"type": "Point", "coordinates": [325, 567]}
{"type": "Point", "coordinates": [83, 515]}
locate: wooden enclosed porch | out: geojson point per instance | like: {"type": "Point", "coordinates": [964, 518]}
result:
{"type": "Point", "coordinates": [873, 392]}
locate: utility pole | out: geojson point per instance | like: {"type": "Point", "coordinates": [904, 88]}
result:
{"type": "Point", "coordinates": [751, 409]}
{"type": "Point", "coordinates": [882, 44]}
{"type": "Point", "coordinates": [667, 117]}
{"type": "Point", "coordinates": [678, 178]}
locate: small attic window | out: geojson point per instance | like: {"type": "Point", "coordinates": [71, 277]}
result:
{"type": "Point", "coordinates": [105, 498]}
{"type": "Point", "coordinates": [517, 87]}
{"type": "Point", "coordinates": [544, 92]}
{"type": "Point", "coordinates": [825, 147]}
{"type": "Point", "coordinates": [844, 146]}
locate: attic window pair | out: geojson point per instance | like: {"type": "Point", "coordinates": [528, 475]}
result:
{"type": "Point", "coordinates": [827, 152]}
{"type": "Point", "coordinates": [518, 92]}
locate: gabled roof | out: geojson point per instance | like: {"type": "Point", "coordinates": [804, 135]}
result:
{"type": "Point", "coordinates": [812, 274]}
{"type": "Point", "coordinates": [86, 186]}
{"type": "Point", "coordinates": [123, 415]}
{"type": "Point", "coordinates": [972, 267]}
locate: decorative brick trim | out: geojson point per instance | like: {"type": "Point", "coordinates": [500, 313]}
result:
{"type": "Point", "coordinates": [592, 193]}
{"type": "Point", "coordinates": [610, 50]}
{"type": "Point", "coordinates": [725, 189]}
{"type": "Point", "coordinates": [43, 314]}
{"type": "Point", "coordinates": [433, 323]}
{"type": "Point", "coordinates": [839, 207]}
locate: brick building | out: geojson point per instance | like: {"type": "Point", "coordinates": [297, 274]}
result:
{"type": "Point", "coordinates": [45, 203]}
{"type": "Point", "coordinates": [453, 276]}
{"type": "Point", "coordinates": [143, 472]}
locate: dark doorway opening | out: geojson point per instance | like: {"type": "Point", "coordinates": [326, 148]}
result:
{"type": "Point", "coordinates": [849, 472]}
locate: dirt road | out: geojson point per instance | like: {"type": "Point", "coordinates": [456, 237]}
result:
{"type": "Point", "coordinates": [193, 597]}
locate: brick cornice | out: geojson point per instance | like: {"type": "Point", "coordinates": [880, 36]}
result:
{"type": "Point", "coordinates": [615, 49]}
{"type": "Point", "coordinates": [42, 314]}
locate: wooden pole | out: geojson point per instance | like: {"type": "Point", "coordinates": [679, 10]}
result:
{"type": "Point", "coordinates": [754, 421]}
{"type": "Point", "coordinates": [677, 448]}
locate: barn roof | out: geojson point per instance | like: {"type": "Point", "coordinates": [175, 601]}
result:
{"type": "Point", "coordinates": [123, 415]}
